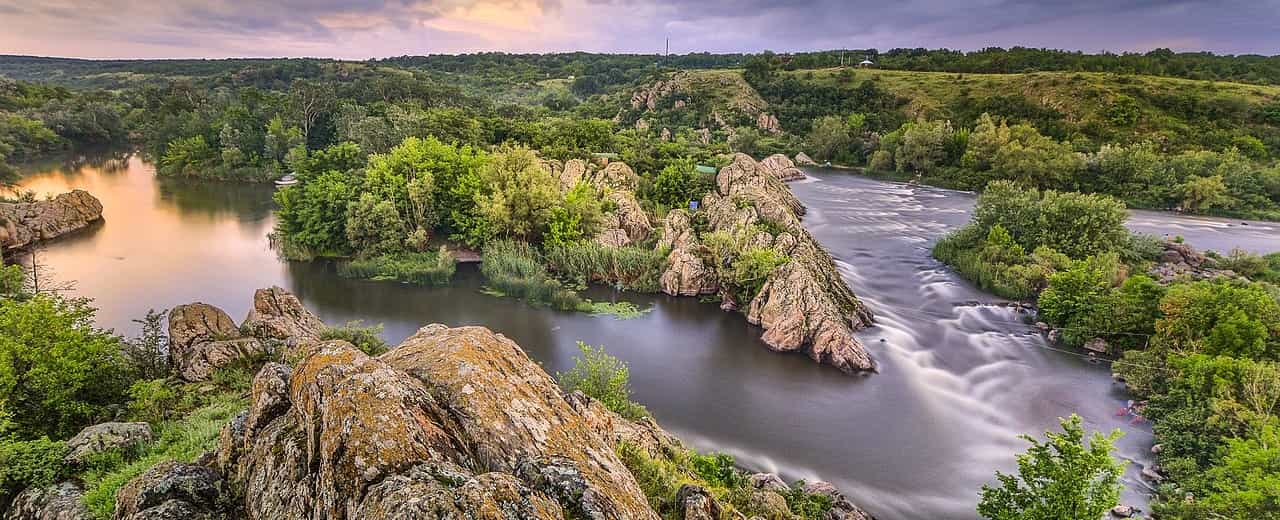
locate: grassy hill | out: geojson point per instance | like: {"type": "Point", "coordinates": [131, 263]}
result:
{"type": "Point", "coordinates": [1099, 107]}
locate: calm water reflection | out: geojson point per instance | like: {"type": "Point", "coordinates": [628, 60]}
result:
{"type": "Point", "coordinates": [959, 380]}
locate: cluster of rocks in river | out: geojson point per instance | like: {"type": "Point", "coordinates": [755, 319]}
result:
{"type": "Point", "coordinates": [25, 223]}
{"type": "Point", "coordinates": [452, 423]}
{"type": "Point", "coordinates": [804, 305]}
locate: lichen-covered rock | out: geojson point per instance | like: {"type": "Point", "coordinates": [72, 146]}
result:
{"type": "Point", "coordinates": [106, 436]}
{"type": "Point", "coordinates": [644, 433]}
{"type": "Point", "coordinates": [841, 508]}
{"type": "Point", "coordinates": [615, 176]}
{"type": "Point", "coordinates": [696, 503]}
{"type": "Point", "coordinates": [803, 159]}
{"type": "Point", "coordinates": [277, 314]}
{"type": "Point", "coordinates": [202, 338]}
{"type": "Point", "coordinates": [25, 223]}
{"type": "Point", "coordinates": [782, 167]}
{"type": "Point", "coordinates": [1181, 261]}
{"type": "Point", "coordinates": [173, 491]}
{"type": "Point", "coordinates": [511, 413]}
{"type": "Point", "coordinates": [575, 171]}
{"type": "Point", "coordinates": [61, 501]}
{"type": "Point", "coordinates": [799, 314]}
{"type": "Point", "coordinates": [453, 423]}
{"type": "Point", "coordinates": [768, 482]}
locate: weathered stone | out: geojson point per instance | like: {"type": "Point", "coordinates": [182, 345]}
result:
{"type": "Point", "coordinates": [768, 482]}
{"type": "Point", "coordinates": [277, 314]}
{"type": "Point", "coordinates": [644, 433]}
{"type": "Point", "coordinates": [173, 491]}
{"type": "Point", "coordinates": [1098, 345]}
{"type": "Point", "coordinates": [803, 159]}
{"type": "Point", "coordinates": [1122, 511]}
{"type": "Point", "coordinates": [841, 508]}
{"type": "Point", "coordinates": [781, 167]}
{"type": "Point", "coordinates": [202, 338]}
{"type": "Point", "coordinates": [697, 503]}
{"type": "Point", "coordinates": [575, 171]}
{"type": "Point", "coordinates": [686, 273]}
{"type": "Point", "coordinates": [61, 501]}
{"type": "Point", "coordinates": [511, 412]}
{"type": "Point", "coordinates": [627, 224]}
{"type": "Point", "coordinates": [768, 123]}
{"type": "Point", "coordinates": [106, 436]}
{"type": "Point", "coordinates": [25, 223]}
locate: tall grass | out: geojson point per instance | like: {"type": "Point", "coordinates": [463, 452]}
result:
{"type": "Point", "coordinates": [632, 268]}
{"type": "Point", "coordinates": [428, 268]}
{"type": "Point", "coordinates": [515, 269]}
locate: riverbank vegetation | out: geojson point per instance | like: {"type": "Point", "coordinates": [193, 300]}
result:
{"type": "Point", "coordinates": [1200, 350]}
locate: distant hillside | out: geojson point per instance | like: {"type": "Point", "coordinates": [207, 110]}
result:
{"type": "Point", "coordinates": [1097, 107]}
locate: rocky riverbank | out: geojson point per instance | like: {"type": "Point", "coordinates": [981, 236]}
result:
{"type": "Point", "coordinates": [26, 223]}
{"type": "Point", "coordinates": [803, 304]}
{"type": "Point", "coordinates": [452, 423]}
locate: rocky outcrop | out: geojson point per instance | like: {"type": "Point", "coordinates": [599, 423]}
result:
{"type": "Point", "coordinates": [277, 314]}
{"type": "Point", "coordinates": [575, 170]}
{"type": "Point", "coordinates": [106, 436]}
{"type": "Point", "coordinates": [841, 508]}
{"type": "Point", "coordinates": [686, 273]}
{"type": "Point", "coordinates": [782, 167]}
{"type": "Point", "coordinates": [1181, 261]}
{"type": "Point", "coordinates": [203, 338]}
{"type": "Point", "coordinates": [25, 223]}
{"type": "Point", "coordinates": [768, 123]}
{"type": "Point", "coordinates": [803, 159]}
{"type": "Point", "coordinates": [173, 490]}
{"type": "Point", "coordinates": [62, 501]}
{"type": "Point", "coordinates": [627, 224]}
{"type": "Point", "coordinates": [804, 305]}
{"type": "Point", "coordinates": [453, 423]}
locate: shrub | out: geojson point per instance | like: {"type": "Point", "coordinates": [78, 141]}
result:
{"type": "Point", "coordinates": [1062, 477]}
{"type": "Point", "coordinates": [35, 462]}
{"type": "Point", "coordinates": [603, 377]}
{"type": "Point", "coordinates": [147, 356]}
{"type": "Point", "coordinates": [752, 267]}
{"type": "Point", "coordinates": [57, 370]}
{"type": "Point", "coordinates": [153, 400]}
{"type": "Point", "coordinates": [366, 338]}
{"type": "Point", "coordinates": [427, 268]}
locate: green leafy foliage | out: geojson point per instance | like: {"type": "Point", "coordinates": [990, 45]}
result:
{"type": "Point", "coordinates": [435, 268]}
{"type": "Point", "coordinates": [366, 338]}
{"type": "Point", "coordinates": [1061, 477]}
{"type": "Point", "coordinates": [604, 378]}
{"type": "Point", "coordinates": [57, 370]}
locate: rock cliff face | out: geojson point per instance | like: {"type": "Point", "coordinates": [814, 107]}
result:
{"type": "Point", "coordinates": [627, 224]}
{"type": "Point", "coordinates": [25, 223]}
{"type": "Point", "coordinates": [804, 305]}
{"type": "Point", "coordinates": [203, 338]}
{"type": "Point", "coordinates": [782, 167]}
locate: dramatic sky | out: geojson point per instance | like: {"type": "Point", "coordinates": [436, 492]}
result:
{"type": "Point", "coordinates": [371, 28]}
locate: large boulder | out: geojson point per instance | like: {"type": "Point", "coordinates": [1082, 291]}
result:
{"type": "Point", "coordinates": [453, 423]}
{"type": "Point", "coordinates": [575, 170]}
{"type": "Point", "coordinates": [841, 507]}
{"type": "Point", "coordinates": [782, 167]}
{"type": "Point", "coordinates": [277, 314]}
{"type": "Point", "coordinates": [62, 501]}
{"type": "Point", "coordinates": [203, 338]}
{"type": "Point", "coordinates": [627, 224]}
{"type": "Point", "coordinates": [803, 159]}
{"type": "Point", "coordinates": [173, 490]}
{"type": "Point", "coordinates": [106, 436]}
{"type": "Point", "coordinates": [25, 223]}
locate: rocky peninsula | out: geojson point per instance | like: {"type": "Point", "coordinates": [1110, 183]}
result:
{"type": "Point", "coordinates": [452, 423]}
{"type": "Point", "coordinates": [26, 223]}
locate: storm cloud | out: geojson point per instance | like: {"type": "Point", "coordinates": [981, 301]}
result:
{"type": "Point", "coordinates": [377, 28]}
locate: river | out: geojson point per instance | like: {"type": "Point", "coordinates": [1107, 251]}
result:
{"type": "Point", "coordinates": [961, 375]}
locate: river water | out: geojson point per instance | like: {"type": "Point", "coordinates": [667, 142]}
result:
{"type": "Point", "coordinates": [961, 374]}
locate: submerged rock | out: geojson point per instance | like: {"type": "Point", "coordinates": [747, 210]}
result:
{"type": "Point", "coordinates": [25, 223]}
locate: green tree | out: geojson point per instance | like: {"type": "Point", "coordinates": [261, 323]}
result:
{"type": "Point", "coordinates": [312, 215]}
{"type": "Point", "coordinates": [518, 194]}
{"type": "Point", "coordinates": [1200, 194]}
{"type": "Point", "coordinates": [189, 156]}
{"type": "Point", "coordinates": [923, 146]}
{"type": "Point", "coordinates": [829, 138]}
{"type": "Point", "coordinates": [374, 227]}
{"type": "Point", "coordinates": [57, 371]}
{"type": "Point", "coordinates": [577, 217]}
{"type": "Point", "coordinates": [677, 184]}
{"type": "Point", "coordinates": [1060, 478]}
